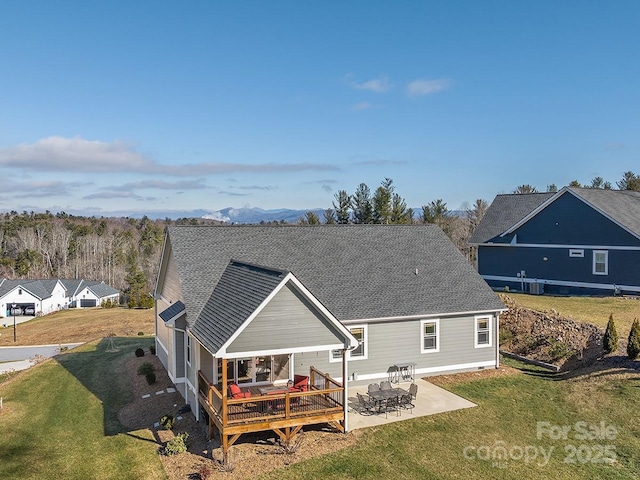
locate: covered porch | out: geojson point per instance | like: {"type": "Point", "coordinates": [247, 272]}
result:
{"type": "Point", "coordinates": [280, 408]}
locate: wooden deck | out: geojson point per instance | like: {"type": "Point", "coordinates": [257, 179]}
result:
{"type": "Point", "coordinates": [285, 413]}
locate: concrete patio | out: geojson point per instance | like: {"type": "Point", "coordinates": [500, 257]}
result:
{"type": "Point", "coordinates": [430, 400]}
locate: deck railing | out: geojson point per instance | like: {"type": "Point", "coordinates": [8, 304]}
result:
{"type": "Point", "coordinates": [325, 395]}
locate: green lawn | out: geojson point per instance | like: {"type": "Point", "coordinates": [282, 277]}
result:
{"type": "Point", "coordinates": [594, 310]}
{"type": "Point", "coordinates": [60, 420]}
{"type": "Point", "coordinates": [453, 445]}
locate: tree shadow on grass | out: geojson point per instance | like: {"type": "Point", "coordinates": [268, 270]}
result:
{"type": "Point", "coordinates": [102, 372]}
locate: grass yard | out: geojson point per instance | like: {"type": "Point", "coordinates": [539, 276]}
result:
{"type": "Point", "coordinates": [78, 325]}
{"type": "Point", "coordinates": [60, 419]}
{"type": "Point", "coordinates": [455, 445]}
{"type": "Point", "coordinates": [594, 310]}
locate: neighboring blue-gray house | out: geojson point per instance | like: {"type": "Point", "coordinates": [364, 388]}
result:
{"type": "Point", "coordinates": [270, 302]}
{"type": "Point", "coordinates": [575, 241]}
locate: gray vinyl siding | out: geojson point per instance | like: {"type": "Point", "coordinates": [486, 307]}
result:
{"type": "Point", "coordinates": [400, 341]}
{"type": "Point", "coordinates": [179, 352]}
{"type": "Point", "coordinates": [170, 287]}
{"type": "Point", "coordinates": [287, 321]}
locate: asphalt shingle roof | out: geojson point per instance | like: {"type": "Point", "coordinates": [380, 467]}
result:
{"type": "Point", "coordinates": [173, 310]}
{"type": "Point", "coordinates": [102, 290]}
{"type": "Point", "coordinates": [356, 271]}
{"type": "Point", "coordinates": [240, 291]}
{"type": "Point", "coordinates": [506, 210]}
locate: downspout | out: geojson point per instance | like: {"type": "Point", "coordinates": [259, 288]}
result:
{"type": "Point", "coordinates": [345, 384]}
{"type": "Point", "coordinates": [497, 339]}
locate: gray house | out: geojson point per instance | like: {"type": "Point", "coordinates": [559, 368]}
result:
{"type": "Point", "coordinates": [261, 306]}
{"type": "Point", "coordinates": [574, 241]}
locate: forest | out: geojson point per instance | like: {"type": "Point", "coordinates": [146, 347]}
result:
{"type": "Point", "coordinates": [125, 252]}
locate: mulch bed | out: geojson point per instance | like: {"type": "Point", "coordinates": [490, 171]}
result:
{"type": "Point", "coordinates": [259, 452]}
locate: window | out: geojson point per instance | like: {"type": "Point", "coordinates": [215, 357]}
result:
{"type": "Point", "coordinates": [576, 253]}
{"type": "Point", "coordinates": [19, 291]}
{"type": "Point", "coordinates": [600, 262]}
{"type": "Point", "coordinates": [483, 332]}
{"type": "Point", "coordinates": [430, 333]}
{"type": "Point", "coordinates": [188, 349]}
{"type": "Point", "coordinates": [358, 353]}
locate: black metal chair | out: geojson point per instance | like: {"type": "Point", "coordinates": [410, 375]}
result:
{"type": "Point", "coordinates": [413, 390]}
{"type": "Point", "coordinates": [406, 402]}
{"type": "Point", "coordinates": [385, 385]}
{"type": "Point", "coordinates": [373, 387]}
{"type": "Point", "coordinates": [367, 407]}
{"type": "Point", "coordinates": [392, 404]}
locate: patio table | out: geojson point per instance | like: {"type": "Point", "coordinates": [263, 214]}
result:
{"type": "Point", "coordinates": [381, 396]}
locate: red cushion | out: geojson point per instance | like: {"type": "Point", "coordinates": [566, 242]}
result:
{"type": "Point", "coordinates": [234, 389]}
{"type": "Point", "coordinates": [300, 382]}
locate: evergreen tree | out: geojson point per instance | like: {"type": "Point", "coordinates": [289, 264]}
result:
{"type": "Point", "coordinates": [633, 345]}
{"type": "Point", "coordinates": [309, 218]}
{"type": "Point", "coordinates": [575, 183]}
{"type": "Point", "coordinates": [361, 205]}
{"type": "Point", "coordinates": [610, 339]}
{"type": "Point", "coordinates": [342, 207]}
{"type": "Point", "coordinates": [552, 188]}
{"type": "Point", "coordinates": [382, 202]}
{"type": "Point", "coordinates": [630, 181]}
{"type": "Point", "coordinates": [525, 189]}
{"type": "Point", "coordinates": [399, 212]}
{"type": "Point", "coordinates": [329, 216]}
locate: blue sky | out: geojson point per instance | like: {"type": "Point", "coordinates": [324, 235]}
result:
{"type": "Point", "coordinates": [129, 107]}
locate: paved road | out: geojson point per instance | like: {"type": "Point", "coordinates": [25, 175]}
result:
{"type": "Point", "coordinates": [17, 358]}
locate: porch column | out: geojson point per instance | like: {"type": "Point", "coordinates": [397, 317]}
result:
{"type": "Point", "coordinates": [224, 391]}
{"type": "Point", "coordinates": [345, 382]}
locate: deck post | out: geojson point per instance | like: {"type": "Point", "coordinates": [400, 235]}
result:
{"type": "Point", "coordinates": [224, 392]}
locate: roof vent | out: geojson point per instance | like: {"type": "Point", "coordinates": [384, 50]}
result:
{"type": "Point", "coordinates": [416, 272]}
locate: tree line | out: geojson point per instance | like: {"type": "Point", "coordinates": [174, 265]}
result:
{"type": "Point", "coordinates": [629, 181]}
{"type": "Point", "coordinates": [122, 252]}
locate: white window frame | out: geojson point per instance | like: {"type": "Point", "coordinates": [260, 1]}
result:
{"type": "Point", "coordinates": [477, 320]}
{"type": "Point", "coordinates": [576, 253]}
{"type": "Point", "coordinates": [436, 321]}
{"type": "Point", "coordinates": [349, 357]}
{"type": "Point", "coordinates": [606, 262]}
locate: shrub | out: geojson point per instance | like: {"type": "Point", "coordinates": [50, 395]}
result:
{"type": "Point", "coordinates": [152, 349]}
{"type": "Point", "coordinates": [139, 352]}
{"type": "Point", "coordinates": [177, 445]}
{"type": "Point", "coordinates": [559, 350]}
{"type": "Point", "coordinates": [633, 346]}
{"type": "Point", "coordinates": [151, 378]}
{"type": "Point", "coordinates": [140, 334]}
{"type": "Point", "coordinates": [167, 421]}
{"type": "Point", "coordinates": [146, 301]}
{"type": "Point", "coordinates": [610, 339]}
{"type": "Point", "coordinates": [145, 368]}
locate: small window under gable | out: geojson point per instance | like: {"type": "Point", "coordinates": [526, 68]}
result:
{"type": "Point", "coordinates": [576, 253]}
{"type": "Point", "coordinates": [358, 353]}
{"type": "Point", "coordinates": [19, 291]}
{"type": "Point", "coordinates": [600, 262]}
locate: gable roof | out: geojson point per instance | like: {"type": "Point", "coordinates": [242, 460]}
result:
{"type": "Point", "coordinates": [101, 289]}
{"type": "Point", "coordinates": [34, 287]}
{"type": "Point", "coordinates": [505, 211]}
{"type": "Point", "coordinates": [356, 271]}
{"type": "Point", "coordinates": [508, 212]}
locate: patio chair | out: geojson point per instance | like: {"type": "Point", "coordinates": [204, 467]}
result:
{"type": "Point", "coordinates": [406, 401]}
{"type": "Point", "coordinates": [386, 385]}
{"type": "Point", "coordinates": [367, 407]}
{"type": "Point", "coordinates": [236, 392]}
{"type": "Point", "coordinates": [413, 390]}
{"type": "Point", "coordinates": [392, 404]}
{"type": "Point", "coordinates": [373, 387]}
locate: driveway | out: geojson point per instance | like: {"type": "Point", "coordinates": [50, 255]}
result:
{"type": "Point", "coordinates": [18, 358]}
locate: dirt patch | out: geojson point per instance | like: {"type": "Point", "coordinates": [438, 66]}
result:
{"type": "Point", "coordinates": [548, 336]}
{"type": "Point", "coordinates": [260, 452]}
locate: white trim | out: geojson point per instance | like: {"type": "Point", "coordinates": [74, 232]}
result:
{"type": "Point", "coordinates": [188, 349]}
{"type": "Point", "coordinates": [365, 341]}
{"type": "Point", "coordinates": [159, 342]}
{"type": "Point", "coordinates": [422, 316]}
{"type": "Point", "coordinates": [353, 343]}
{"type": "Point", "coordinates": [606, 262]}
{"type": "Point", "coordinates": [282, 351]}
{"type": "Point", "coordinates": [191, 387]}
{"type": "Point", "coordinates": [476, 319]}
{"type": "Point", "coordinates": [563, 283]}
{"type": "Point", "coordinates": [555, 197]}
{"type": "Point", "coordinates": [623, 248]}
{"type": "Point", "coordinates": [422, 324]}
{"type": "Point", "coordinates": [440, 369]}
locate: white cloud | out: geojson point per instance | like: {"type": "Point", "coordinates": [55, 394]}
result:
{"type": "Point", "coordinates": [59, 154]}
{"type": "Point", "coordinates": [378, 85]}
{"type": "Point", "coordinates": [421, 87]}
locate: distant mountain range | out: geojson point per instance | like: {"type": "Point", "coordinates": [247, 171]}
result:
{"type": "Point", "coordinates": [257, 215]}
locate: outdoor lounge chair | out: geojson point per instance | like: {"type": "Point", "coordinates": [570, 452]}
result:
{"type": "Point", "coordinates": [236, 392]}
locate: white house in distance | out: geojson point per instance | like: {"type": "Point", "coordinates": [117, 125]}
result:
{"type": "Point", "coordinates": [41, 297]}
